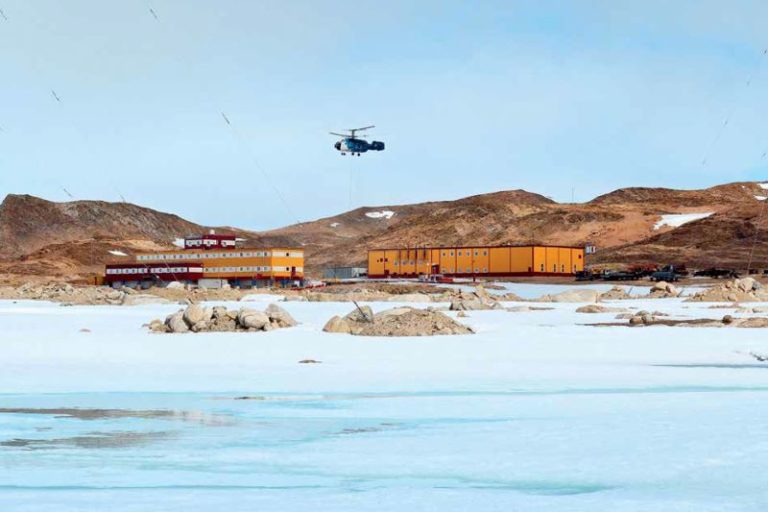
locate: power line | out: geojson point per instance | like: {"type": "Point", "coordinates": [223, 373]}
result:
{"type": "Point", "coordinates": [729, 115]}
{"type": "Point", "coordinates": [243, 141]}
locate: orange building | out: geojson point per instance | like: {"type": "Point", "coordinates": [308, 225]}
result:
{"type": "Point", "coordinates": [478, 261]}
{"type": "Point", "coordinates": [212, 261]}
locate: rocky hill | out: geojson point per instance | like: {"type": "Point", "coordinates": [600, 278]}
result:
{"type": "Point", "coordinates": [714, 226]}
{"type": "Point", "coordinates": [631, 225]}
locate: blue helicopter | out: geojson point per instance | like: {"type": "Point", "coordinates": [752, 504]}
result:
{"type": "Point", "coordinates": [354, 144]}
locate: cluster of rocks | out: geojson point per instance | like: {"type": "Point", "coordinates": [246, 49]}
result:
{"type": "Point", "coordinates": [644, 318]}
{"type": "Point", "coordinates": [196, 318]}
{"type": "Point", "coordinates": [582, 295]}
{"type": "Point", "coordinates": [663, 290]}
{"type": "Point", "coordinates": [476, 300]}
{"type": "Point", "coordinates": [405, 321]}
{"type": "Point", "coordinates": [737, 290]}
{"type": "Point", "coordinates": [615, 293]}
{"type": "Point", "coordinates": [68, 294]}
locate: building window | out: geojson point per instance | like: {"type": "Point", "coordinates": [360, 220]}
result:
{"type": "Point", "coordinates": [542, 267]}
{"type": "Point", "coordinates": [476, 253]}
{"type": "Point", "coordinates": [562, 268]}
{"type": "Point", "coordinates": [554, 267]}
{"type": "Point", "coordinates": [485, 270]}
{"type": "Point", "coordinates": [451, 253]}
{"type": "Point", "coordinates": [485, 253]}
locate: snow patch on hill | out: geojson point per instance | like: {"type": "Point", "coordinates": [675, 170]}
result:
{"type": "Point", "coordinates": [117, 253]}
{"type": "Point", "coordinates": [675, 220]}
{"type": "Point", "coordinates": [384, 214]}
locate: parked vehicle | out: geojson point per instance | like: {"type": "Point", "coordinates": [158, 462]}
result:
{"type": "Point", "coordinates": [667, 273]}
{"type": "Point", "coordinates": [587, 275]}
{"type": "Point", "coordinates": [621, 275]}
{"type": "Point", "coordinates": [716, 273]}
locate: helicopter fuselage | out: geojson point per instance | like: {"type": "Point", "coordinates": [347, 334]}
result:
{"type": "Point", "coordinates": [353, 145]}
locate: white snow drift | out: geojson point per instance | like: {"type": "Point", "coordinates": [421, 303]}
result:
{"type": "Point", "coordinates": [384, 214]}
{"type": "Point", "coordinates": [675, 220]}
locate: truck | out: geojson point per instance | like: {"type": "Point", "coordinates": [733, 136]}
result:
{"type": "Point", "coordinates": [621, 275]}
{"type": "Point", "coordinates": [716, 273]}
{"type": "Point", "coordinates": [668, 273]}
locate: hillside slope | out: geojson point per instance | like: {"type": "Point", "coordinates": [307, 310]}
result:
{"type": "Point", "coordinates": [48, 240]}
{"type": "Point", "coordinates": [622, 224]}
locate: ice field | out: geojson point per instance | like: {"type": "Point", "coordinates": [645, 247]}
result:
{"type": "Point", "coordinates": [536, 411]}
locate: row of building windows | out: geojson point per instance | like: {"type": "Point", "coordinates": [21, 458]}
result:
{"type": "Point", "coordinates": [197, 242]}
{"type": "Point", "coordinates": [217, 255]}
{"type": "Point", "coordinates": [250, 269]}
{"type": "Point", "coordinates": [554, 268]}
{"type": "Point", "coordinates": [147, 270]}
{"type": "Point", "coordinates": [236, 269]}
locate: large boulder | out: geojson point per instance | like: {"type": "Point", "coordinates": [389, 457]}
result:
{"type": "Point", "coordinates": [476, 300]}
{"type": "Point", "coordinates": [663, 290]}
{"type": "Point", "coordinates": [360, 314]}
{"type": "Point", "coordinates": [196, 313]}
{"type": "Point", "coordinates": [338, 324]}
{"type": "Point", "coordinates": [279, 316]}
{"type": "Point", "coordinates": [252, 319]}
{"type": "Point", "coordinates": [176, 323]}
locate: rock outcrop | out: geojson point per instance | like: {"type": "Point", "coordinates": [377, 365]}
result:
{"type": "Point", "coordinates": [478, 299]}
{"type": "Point", "coordinates": [597, 308]}
{"type": "Point", "coordinates": [736, 290]}
{"type": "Point", "coordinates": [66, 293]}
{"type": "Point", "coordinates": [196, 318]}
{"type": "Point", "coordinates": [615, 293]}
{"type": "Point", "coordinates": [583, 295]}
{"type": "Point", "coordinates": [405, 321]}
{"type": "Point", "coordinates": [663, 290]}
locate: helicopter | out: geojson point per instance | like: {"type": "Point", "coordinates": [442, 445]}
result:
{"type": "Point", "coordinates": [354, 144]}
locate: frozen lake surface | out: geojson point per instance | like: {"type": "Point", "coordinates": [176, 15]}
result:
{"type": "Point", "coordinates": [534, 412]}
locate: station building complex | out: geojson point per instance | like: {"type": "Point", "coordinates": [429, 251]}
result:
{"type": "Point", "coordinates": [212, 261]}
{"type": "Point", "coordinates": [479, 261]}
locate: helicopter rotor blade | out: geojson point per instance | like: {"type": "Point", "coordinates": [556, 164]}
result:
{"type": "Point", "coordinates": [363, 128]}
{"type": "Point", "coordinates": [340, 134]}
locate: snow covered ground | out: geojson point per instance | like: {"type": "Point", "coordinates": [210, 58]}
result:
{"type": "Point", "coordinates": [534, 412]}
{"type": "Point", "coordinates": [384, 214]}
{"type": "Point", "coordinates": [675, 220]}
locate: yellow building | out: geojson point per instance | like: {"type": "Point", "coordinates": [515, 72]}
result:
{"type": "Point", "coordinates": [528, 260]}
{"type": "Point", "coordinates": [212, 261]}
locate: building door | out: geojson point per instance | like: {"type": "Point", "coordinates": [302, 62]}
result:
{"type": "Point", "coordinates": [435, 269]}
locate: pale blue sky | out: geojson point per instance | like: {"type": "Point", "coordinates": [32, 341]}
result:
{"type": "Point", "coordinates": [470, 97]}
